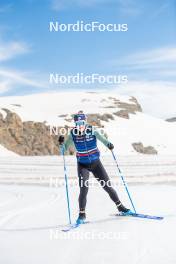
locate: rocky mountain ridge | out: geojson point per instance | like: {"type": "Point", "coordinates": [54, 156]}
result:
{"type": "Point", "coordinates": [26, 121]}
{"type": "Point", "coordinates": [29, 138]}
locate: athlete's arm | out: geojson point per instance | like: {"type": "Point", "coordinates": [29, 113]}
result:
{"type": "Point", "coordinates": [104, 140]}
{"type": "Point", "coordinates": [68, 142]}
{"type": "Point", "coordinates": [101, 138]}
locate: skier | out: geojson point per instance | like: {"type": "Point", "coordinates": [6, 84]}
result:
{"type": "Point", "coordinates": [84, 137]}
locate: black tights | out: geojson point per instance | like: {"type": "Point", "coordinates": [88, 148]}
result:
{"type": "Point", "coordinates": [101, 175]}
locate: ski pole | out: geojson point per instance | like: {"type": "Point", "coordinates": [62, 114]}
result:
{"type": "Point", "coordinates": [123, 180]}
{"type": "Point", "coordinates": [66, 185]}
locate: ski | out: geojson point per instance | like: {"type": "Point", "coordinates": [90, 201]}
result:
{"type": "Point", "coordinates": [141, 216]}
{"type": "Point", "coordinates": [152, 217]}
{"type": "Point", "coordinates": [67, 229]}
{"type": "Point", "coordinates": [73, 226]}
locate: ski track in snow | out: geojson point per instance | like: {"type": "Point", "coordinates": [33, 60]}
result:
{"type": "Point", "coordinates": [39, 211]}
{"type": "Point", "coordinates": [40, 170]}
{"type": "Point", "coordinates": [9, 216]}
{"type": "Point", "coordinates": [32, 217]}
{"type": "Point", "coordinates": [7, 202]}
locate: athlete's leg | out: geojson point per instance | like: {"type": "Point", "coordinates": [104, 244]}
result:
{"type": "Point", "coordinates": [101, 175]}
{"type": "Point", "coordinates": [83, 175]}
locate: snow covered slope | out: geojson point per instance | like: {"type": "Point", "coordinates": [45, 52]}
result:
{"type": "Point", "coordinates": [6, 153]}
{"type": "Point", "coordinates": [57, 108]}
{"type": "Point", "coordinates": [49, 106]}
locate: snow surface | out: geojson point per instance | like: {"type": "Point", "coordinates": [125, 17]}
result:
{"type": "Point", "coordinates": [54, 108]}
{"type": "Point", "coordinates": [48, 170]}
{"type": "Point", "coordinates": [33, 211]}
{"type": "Point", "coordinates": [6, 153]}
{"type": "Point", "coordinates": [31, 219]}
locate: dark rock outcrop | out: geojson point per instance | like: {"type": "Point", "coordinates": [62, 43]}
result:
{"type": "Point", "coordinates": [144, 150]}
{"type": "Point", "coordinates": [26, 138]}
{"type": "Point", "coordinates": [173, 119]}
{"type": "Point", "coordinates": [127, 108]}
{"type": "Point", "coordinates": [95, 119]}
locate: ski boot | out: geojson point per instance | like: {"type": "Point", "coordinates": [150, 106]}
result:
{"type": "Point", "coordinates": [123, 210]}
{"type": "Point", "coordinates": [81, 218]}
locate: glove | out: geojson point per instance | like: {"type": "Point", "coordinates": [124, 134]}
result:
{"type": "Point", "coordinates": [110, 146]}
{"type": "Point", "coordinates": [61, 140]}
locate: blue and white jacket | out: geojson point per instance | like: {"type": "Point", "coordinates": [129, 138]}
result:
{"type": "Point", "coordinates": [85, 144]}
